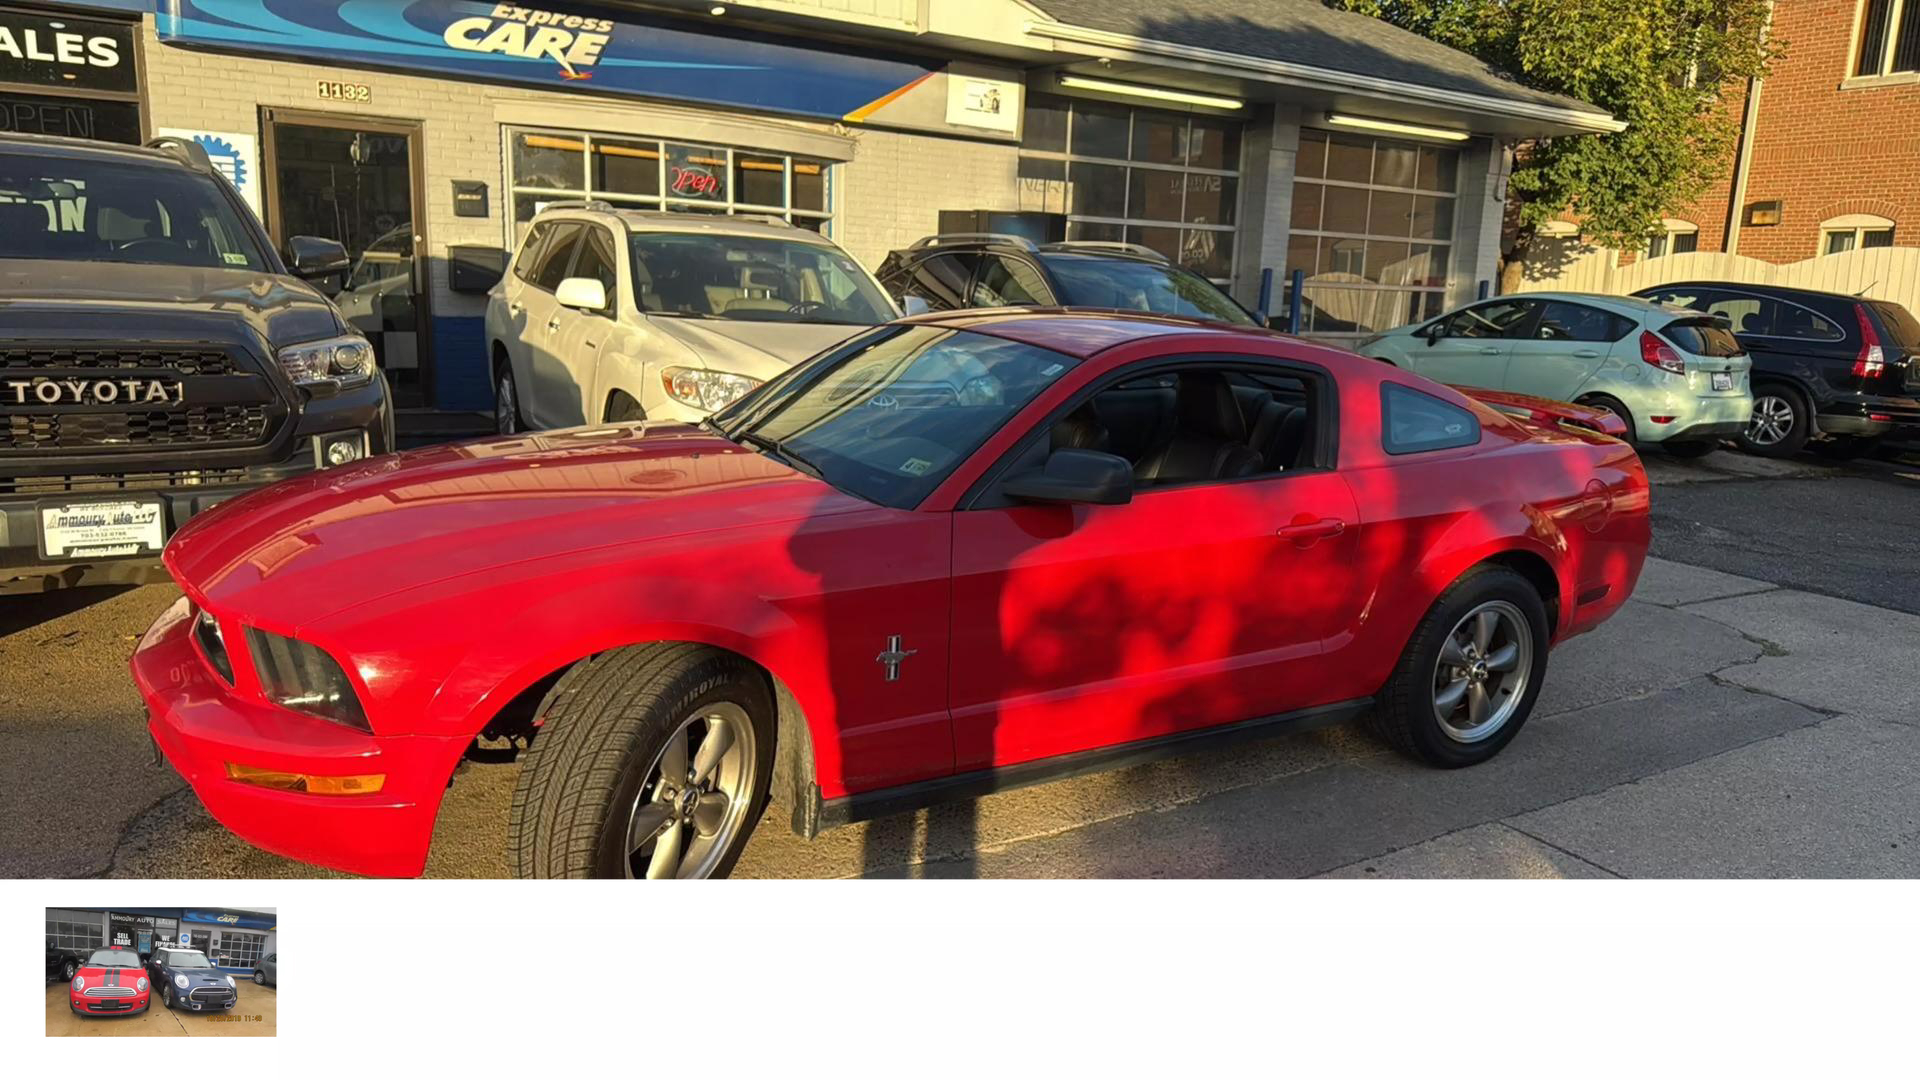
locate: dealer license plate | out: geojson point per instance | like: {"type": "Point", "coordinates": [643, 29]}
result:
{"type": "Point", "coordinates": [102, 530]}
{"type": "Point", "coordinates": [1723, 380]}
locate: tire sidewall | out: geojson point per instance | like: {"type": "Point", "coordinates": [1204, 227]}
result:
{"type": "Point", "coordinates": [1498, 584]}
{"type": "Point", "coordinates": [712, 679]}
{"type": "Point", "coordinates": [503, 380]}
{"type": "Point", "coordinates": [1617, 408]}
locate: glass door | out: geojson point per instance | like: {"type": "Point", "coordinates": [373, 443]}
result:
{"type": "Point", "coordinates": [358, 181]}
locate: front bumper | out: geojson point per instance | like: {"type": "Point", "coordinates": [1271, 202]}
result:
{"type": "Point", "coordinates": [200, 725]}
{"type": "Point", "coordinates": [107, 1006]}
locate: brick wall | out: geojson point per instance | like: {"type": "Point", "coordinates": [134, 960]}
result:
{"type": "Point", "coordinates": [1823, 148]}
{"type": "Point", "coordinates": [896, 185]}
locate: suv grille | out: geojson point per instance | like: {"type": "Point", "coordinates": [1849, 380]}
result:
{"type": "Point", "coordinates": [205, 425]}
{"type": "Point", "coordinates": [180, 361]}
{"type": "Point", "coordinates": [127, 481]}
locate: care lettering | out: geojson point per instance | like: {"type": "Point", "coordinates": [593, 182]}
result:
{"type": "Point", "coordinates": [572, 41]}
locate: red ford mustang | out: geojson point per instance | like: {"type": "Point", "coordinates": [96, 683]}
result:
{"type": "Point", "coordinates": [112, 981]}
{"type": "Point", "coordinates": [955, 554]}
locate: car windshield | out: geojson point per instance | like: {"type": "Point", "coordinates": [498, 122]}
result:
{"type": "Point", "coordinates": [892, 418]}
{"type": "Point", "coordinates": [105, 211]}
{"type": "Point", "coordinates": [755, 278]}
{"type": "Point", "coordinates": [1137, 285]}
{"type": "Point", "coordinates": [184, 960]}
{"type": "Point", "coordinates": [113, 958]}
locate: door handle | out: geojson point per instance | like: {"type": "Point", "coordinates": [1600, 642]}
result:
{"type": "Point", "coordinates": [1585, 354]}
{"type": "Point", "coordinates": [1306, 533]}
{"type": "Point", "coordinates": [553, 323]}
{"type": "Point", "coordinates": [1490, 350]}
{"type": "Point", "coordinates": [590, 344]}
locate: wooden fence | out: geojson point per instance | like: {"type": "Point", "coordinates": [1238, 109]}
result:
{"type": "Point", "coordinates": [1889, 273]}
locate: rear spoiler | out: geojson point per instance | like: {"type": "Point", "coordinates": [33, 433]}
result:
{"type": "Point", "coordinates": [1545, 413]}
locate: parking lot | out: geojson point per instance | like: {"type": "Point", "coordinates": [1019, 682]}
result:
{"type": "Point", "coordinates": [255, 1015]}
{"type": "Point", "coordinates": [1752, 712]}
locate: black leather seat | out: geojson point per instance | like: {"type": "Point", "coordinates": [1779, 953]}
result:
{"type": "Point", "coordinates": [1080, 430]}
{"type": "Point", "coordinates": [1279, 433]}
{"type": "Point", "coordinates": [1210, 437]}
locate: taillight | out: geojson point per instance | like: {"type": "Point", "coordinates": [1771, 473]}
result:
{"type": "Point", "coordinates": [1872, 359]}
{"type": "Point", "coordinates": [1660, 354]}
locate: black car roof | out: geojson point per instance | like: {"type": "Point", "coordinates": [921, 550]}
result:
{"type": "Point", "coordinates": [69, 149]}
{"type": "Point", "coordinates": [1782, 291]}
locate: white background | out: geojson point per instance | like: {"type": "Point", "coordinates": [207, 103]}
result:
{"type": "Point", "coordinates": [1075, 979]}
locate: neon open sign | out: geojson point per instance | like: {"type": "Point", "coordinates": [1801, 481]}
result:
{"type": "Point", "coordinates": [691, 180]}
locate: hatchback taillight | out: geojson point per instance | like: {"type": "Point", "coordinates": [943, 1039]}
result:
{"type": "Point", "coordinates": [1872, 359]}
{"type": "Point", "coordinates": [1660, 354]}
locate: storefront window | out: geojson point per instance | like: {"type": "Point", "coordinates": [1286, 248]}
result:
{"type": "Point", "coordinates": [235, 948]}
{"type": "Point", "coordinates": [651, 174]}
{"type": "Point", "coordinates": [74, 930]}
{"type": "Point", "coordinates": [1372, 227]}
{"type": "Point", "coordinates": [1163, 179]}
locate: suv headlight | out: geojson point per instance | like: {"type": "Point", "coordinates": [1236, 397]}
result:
{"type": "Point", "coordinates": [304, 678]}
{"type": "Point", "coordinates": [344, 361]}
{"type": "Point", "coordinates": [704, 389]}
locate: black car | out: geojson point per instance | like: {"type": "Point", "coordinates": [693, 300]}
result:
{"type": "Point", "coordinates": [186, 979]}
{"type": "Point", "coordinates": [62, 963]}
{"type": "Point", "coordinates": [1841, 369]}
{"type": "Point", "coordinates": [157, 357]}
{"type": "Point", "coordinates": [982, 270]}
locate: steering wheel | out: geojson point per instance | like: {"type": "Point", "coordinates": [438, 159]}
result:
{"type": "Point", "coordinates": [151, 241]}
{"type": "Point", "coordinates": [805, 307]}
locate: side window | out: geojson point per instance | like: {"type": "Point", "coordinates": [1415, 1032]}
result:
{"type": "Point", "coordinates": [1793, 321]}
{"type": "Point", "coordinates": [530, 251]}
{"type": "Point", "coordinates": [1412, 422]}
{"type": "Point", "coordinates": [941, 280]}
{"type": "Point", "coordinates": [1561, 321]}
{"type": "Point", "coordinates": [1501, 318]}
{"type": "Point", "coordinates": [551, 269]}
{"type": "Point", "coordinates": [599, 262]}
{"type": "Point", "coordinates": [1005, 282]}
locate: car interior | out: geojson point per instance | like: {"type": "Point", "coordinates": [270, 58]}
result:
{"type": "Point", "coordinates": [1196, 425]}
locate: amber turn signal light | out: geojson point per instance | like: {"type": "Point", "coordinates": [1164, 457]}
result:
{"type": "Point", "coordinates": [303, 782]}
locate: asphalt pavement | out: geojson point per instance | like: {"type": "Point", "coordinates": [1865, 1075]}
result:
{"type": "Point", "coordinates": [257, 1013]}
{"type": "Point", "coordinates": [1750, 712]}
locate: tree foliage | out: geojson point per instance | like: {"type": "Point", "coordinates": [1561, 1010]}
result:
{"type": "Point", "coordinates": [1658, 65]}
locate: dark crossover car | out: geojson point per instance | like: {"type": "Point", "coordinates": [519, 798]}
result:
{"type": "Point", "coordinates": [1844, 370]}
{"type": "Point", "coordinates": [109, 982]}
{"type": "Point", "coordinates": [157, 357]}
{"type": "Point", "coordinates": [988, 270]}
{"type": "Point", "coordinates": [185, 978]}
{"type": "Point", "coordinates": [62, 963]}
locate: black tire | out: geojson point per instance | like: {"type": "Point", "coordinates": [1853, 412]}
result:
{"type": "Point", "coordinates": [507, 419]}
{"type": "Point", "coordinates": [166, 996]}
{"type": "Point", "coordinates": [259, 978]}
{"type": "Point", "coordinates": [1801, 421]}
{"type": "Point", "coordinates": [71, 970]}
{"type": "Point", "coordinates": [1847, 447]}
{"type": "Point", "coordinates": [1688, 451]}
{"type": "Point", "coordinates": [1406, 718]}
{"type": "Point", "coordinates": [622, 409]}
{"type": "Point", "coordinates": [602, 729]}
{"type": "Point", "coordinates": [1617, 408]}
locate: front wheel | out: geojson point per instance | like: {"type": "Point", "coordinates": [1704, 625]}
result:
{"type": "Point", "coordinates": [1471, 672]}
{"type": "Point", "coordinates": [70, 969]}
{"type": "Point", "coordinates": [652, 761]}
{"type": "Point", "coordinates": [166, 996]}
{"type": "Point", "coordinates": [506, 401]}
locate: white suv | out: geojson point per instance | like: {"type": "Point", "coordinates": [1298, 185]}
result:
{"type": "Point", "coordinates": [612, 315]}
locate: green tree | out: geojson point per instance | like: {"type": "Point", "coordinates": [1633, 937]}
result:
{"type": "Point", "coordinates": [1659, 65]}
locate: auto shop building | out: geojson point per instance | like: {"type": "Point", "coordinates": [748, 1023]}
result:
{"type": "Point", "coordinates": [234, 939]}
{"type": "Point", "coordinates": [1232, 135]}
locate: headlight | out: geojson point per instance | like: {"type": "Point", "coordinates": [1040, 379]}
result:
{"type": "Point", "coordinates": [180, 981]}
{"type": "Point", "coordinates": [984, 390]}
{"type": "Point", "coordinates": [304, 678]}
{"type": "Point", "coordinates": [230, 985]}
{"type": "Point", "coordinates": [140, 984]}
{"type": "Point", "coordinates": [345, 361]}
{"type": "Point", "coordinates": [79, 983]}
{"type": "Point", "coordinates": [206, 628]}
{"type": "Point", "coordinates": [704, 389]}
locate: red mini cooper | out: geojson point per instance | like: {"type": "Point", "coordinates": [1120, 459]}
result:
{"type": "Point", "coordinates": [112, 981]}
{"type": "Point", "coordinates": [955, 554]}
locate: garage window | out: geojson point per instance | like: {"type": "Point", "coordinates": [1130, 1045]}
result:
{"type": "Point", "coordinates": [75, 931]}
{"type": "Point", "coordinates": [236, 948]}
{"type": "Point", "coordinates": [1413, 422]}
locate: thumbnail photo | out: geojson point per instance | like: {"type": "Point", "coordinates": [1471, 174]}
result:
{"type": "Point", "coordinates": [162, 971]}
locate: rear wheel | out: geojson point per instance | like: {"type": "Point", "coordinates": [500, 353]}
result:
{"type": "Point", "coordinates": [652, 762]}
{"type": "Point", "coordinates": [1781, 422]}
{"type": "Point", "coordinates": [1691, 450]}
{"type": "Point", "coordinates": [1471, 672]}
{"type": "Point", "coordinates": [70, 969]}
{"type": "Point", "coordinates": [1613, 405]}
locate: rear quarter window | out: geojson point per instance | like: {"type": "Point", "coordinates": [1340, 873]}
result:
{"type": "Point", "coordinates": [1412, 422]}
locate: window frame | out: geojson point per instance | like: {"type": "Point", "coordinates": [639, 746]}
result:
{"type": "Point", "coordinates": [1740, 294]}
{"type": "Point", "coordinates": [1884, 69]}
{"type": "Point", "coordinates": [1388, 387]}
{"type": "Point", "coordinates": [1535, 306]}
{"type": "Point", "coordinates": [1614, 319]}
{"type": "Point", "coordinates": [985, 492]}
{"type": "Point", "coordinates": [1670, 231]}
{"type": "Point", "coordinates": [1855, 227]}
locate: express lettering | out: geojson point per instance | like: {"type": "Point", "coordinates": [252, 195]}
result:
{"type": "Point", "coordinates": [572, 41]}
{"type": "Point", "coordinates": [68, 48]}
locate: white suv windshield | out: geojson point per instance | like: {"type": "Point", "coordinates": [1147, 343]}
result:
{"type": "Point", "coordinates": [756, 278]}
{"type": "Point", "coordinates": [98, 211]}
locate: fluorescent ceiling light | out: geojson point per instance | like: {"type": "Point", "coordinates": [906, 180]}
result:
{"type": "Point", "coordinates": [1370, 124]}
{"type": "Point", "coordinates": [1081, 82]}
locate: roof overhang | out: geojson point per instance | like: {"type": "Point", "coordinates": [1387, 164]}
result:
{"type": "Point", "coordinates": [1258, 78]}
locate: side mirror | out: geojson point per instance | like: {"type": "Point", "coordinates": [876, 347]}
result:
{"type": "Point", "coordinates": [587, 294]}
{"type": "Point", "coordinates": [1435, 332]}
{"type": "Point", "coordinates": [915, 305]}
{"type": "Point", "coordinates": [1075, 476]}
{"type": "Point", "coordinates": [316, 257]}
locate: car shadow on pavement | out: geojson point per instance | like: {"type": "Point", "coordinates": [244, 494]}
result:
{"type": "Point", "coordinates": [28, 610]}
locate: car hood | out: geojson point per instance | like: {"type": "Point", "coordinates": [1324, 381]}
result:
{"type": "Point", "coordinates": [759, 349]}
{"type": "Point", "coordinates": [167, 300]}
{"type": "Point", "coordinates": [97, 976]}
{"type": "Point", "coordinates": [195, 977]}
{"type": "Point", "coordinates": [313, 546]}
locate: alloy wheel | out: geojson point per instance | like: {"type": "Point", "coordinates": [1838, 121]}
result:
{"type": "Point", "coordinates": [259, 979]}
{"type": "Point", "coordinates": [506, 412]}
{"type": "Point", "coordinates": [1772, 420]}
{"type": "Point", "coordinates": [71, 969]}
{"type": "Point", "coordinates": [1481, 676]}
{"type": "Point", "coordinates": [693, 801]}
